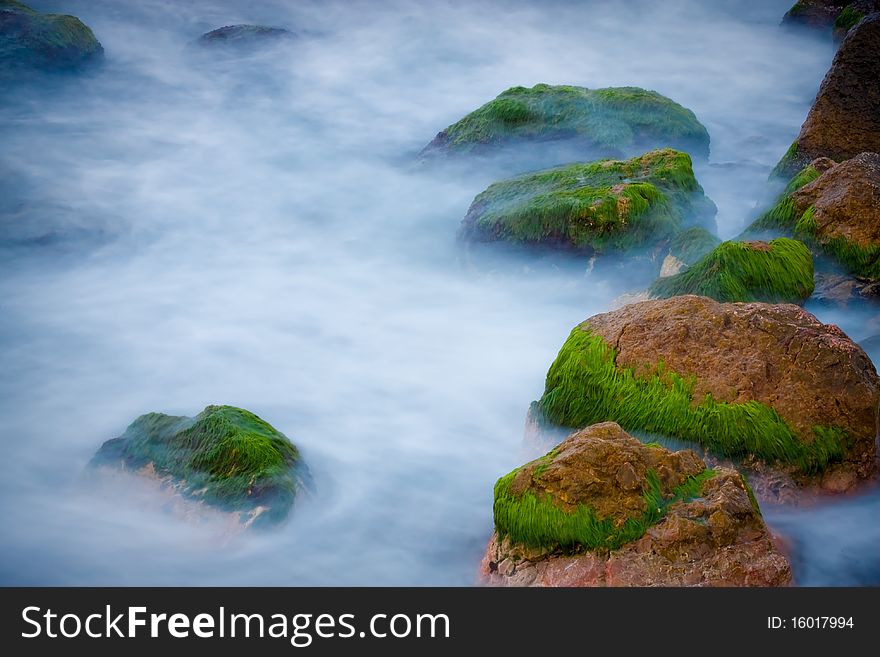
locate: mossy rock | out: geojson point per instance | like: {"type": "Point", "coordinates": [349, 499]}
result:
{"type": "Point", "coordinates": [30, 40]}
{"type": "Point", "coordinates": [238, 36]}
{"type": "Point", "coordinates": [834, 209]}
{"type": "Point", "coordinates": [598, 490]}
{"type": "Point", "coordinates": [755, 381]}
{"type": "Point", "coordinates": [609, 205]}
{"type": "Point", "coordinates": [604, 509]}
{"type": "Point", "coordinates": [618, 121]}
{"type": "Point", "coordinates": [777, 271]}
{"type": "Point", "coordinates": [226, 456]}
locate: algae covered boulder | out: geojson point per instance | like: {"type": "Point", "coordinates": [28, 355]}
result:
{"type": "Point", "coordinates": [777, 271]}
{"type": "Point", "coordinates": [225, 456]}
{"type": "Point", "coordinates": [614, 122]}
{"type": "Point", "coordinates": [609, 205]}
{"type": "Point", "coordinates": [243, 36]}
{"type": "Point", "coordinates": [604, 509]}
{"type": "Point", "coordinates": [768, 384]}
{"type": "Point", "coordinates": [836, 209]}
{"type": "Point", "coordinates": [845, 118]}
{"type": "Point", "coordinates": [30, 40]}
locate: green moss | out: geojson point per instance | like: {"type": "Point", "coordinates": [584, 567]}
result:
{"type": "Point", "coordinates": [584, 386]}
{"type": "Point", "coordinates": [605, 205]}
{"type": "Point", "coordinates": [848, 18]}
{"type": "Point", "coordinates": [784, 216]}
{"type": "Point", "coordinates": [778, 271]}
{"type": "Point", "coordinates": [790, 163]}
{"type": "Point", "coordinates": [537, 522]}
{"type": "Point", "coordinates": [692, 244]}
{"type": "Point", "coordinates": [611, 120]}
{"type": "Point", "coordinates": [29, 39]}
{"type": "Point", "coordinates": [225, 455]}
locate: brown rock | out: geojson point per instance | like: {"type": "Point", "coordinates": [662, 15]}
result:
{"type": "Point", "coordinates": [716, 539]}
{"type": "Point", "coordinates": [847, 199]}
{"type": "Point", "coordinates": [845, 119]}
{"type": "Point", "coordinates": [811, 373]}
{"type": "Point", "coordinates": [605, 468]}
{"type": "Point", "coordinates": [814, 13]}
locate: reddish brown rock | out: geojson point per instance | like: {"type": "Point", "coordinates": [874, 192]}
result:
{"type": "Point", "coordinates": [846, 198]}
{"type": "Point", "coordinates": [845, 118]}
{"type": "Point", "coordinates": [718, 538]}
{"type": "Point", "coordinates": [811, 373]}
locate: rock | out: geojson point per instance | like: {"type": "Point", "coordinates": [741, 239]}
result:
{"type": "Point", "coordinates": [838, 15]}
{"type": "Point", "coordinates": [671, 266]}
{"type": "Point", "coordinates": [616, 122]}
{"type": "Point", "coordinates": [814, 13]}
{"type": "Point", "coordinates": [836, 211]}
{"type": "Point", "coordinates": [243, 35]}
{"type": "Point", "coordinates": [603, 509]}
{"type": "Point", "coordinates": [225, 457]}
{"type": "Point", "coordinates": [777, 271]}
{"type": "Point", "coordinates": [753, 381]}
{"type": "Point", "coordinates": [845, 118]}
{"type": "Point", "coordinates": [609, 205]}
{"type": "Point", "coordinates": [52, 42]}
{"type": "Point", "coordinates": [833, 289]}
{"type": "Point", "coordinates": [852, 15]}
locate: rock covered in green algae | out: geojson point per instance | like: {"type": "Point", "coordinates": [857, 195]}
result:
{"type": "Point", "coordinates": [619, 121]}
{"type": "Point", "coordinates": [777, 271]}
{"type": "Point", "coordinates": [609, 205]}
{"type": "Point", "coordinates": [603, 509]}
{"type": "Point", "coordinates": [31, 40]}
{"type": "Point", "coordinates": [226, 456]}
{"type": "Point", "coordinates": [766, 383]}
{"type": "Point", "coordinates": [834, 208]}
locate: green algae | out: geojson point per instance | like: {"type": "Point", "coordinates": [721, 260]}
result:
{"type": "Point", "coordinates": [537, 522]}
{"type": "Point", "coordinates": [692, 244]}
{"type": "Point", "coordinates": [597, 206]}
{"type": "Point", "coordinates": [612, 120]}
{"type": "Point", "coordinates": [780, 271]}
{"type": "Point", "coordinates": [225, 455]}
{"type": "Point", "coordinates": [785, 217]}
{"type": "Point", "coordinates": [585, 386]}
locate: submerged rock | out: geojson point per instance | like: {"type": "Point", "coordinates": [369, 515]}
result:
{"type": "Point", "coordinates": [777, 271]}
{"type": "Point", "coordinates": [766, 384]}
{"type": "Point", "coordinates": [226, 457]}
{"type": "Point", "coordinates": [30, 40]}
{"type": "Point", "coordinates": [834, 289]}
{"type": "Point", "coordinates": [603, 509]}
{"type": "Point", "coordinates": [614, 122]}
{"type": "Point", "coordinates": [609, 205]}
{"type": "Point", "coordinates": [243, 35]}
{"type": "Point", "coordinates": [835, 209]}
{"type": "Point", "coordinates": [845, 118]}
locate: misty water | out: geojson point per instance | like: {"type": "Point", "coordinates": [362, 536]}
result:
{"type": "Point", "coordinates": [180, 230]}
